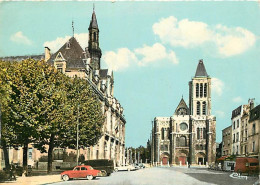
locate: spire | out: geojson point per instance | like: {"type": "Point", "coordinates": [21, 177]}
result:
{"type": "Point", "coordinates": [201, 70]}
{"type": "Point", "coordinates": [93, 22]}
{"type": "Point", "coordinates": [72, 28]}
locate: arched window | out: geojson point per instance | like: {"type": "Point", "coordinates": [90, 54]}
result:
{"type": "Point", "coordinates": [204, 133]}
{"type": "Point", "coordinates": [204, 110]}
{"type": "Point", "coordinates": [183, 142]}
{"type": "Point", "coordinates": [95, 36]}
{"type": "Point", "coordinates": [205, 90]}
{"type": "Point", "coordinates": [198, 108]}
{"type": "Point", "coordinates": [198, 133]}
{"type": "Point", "coordinates": [162, 131]}
{"type": "Point", "coordinates": [197, 90]}
{"type": "Point", "coordinates": [201, 90]}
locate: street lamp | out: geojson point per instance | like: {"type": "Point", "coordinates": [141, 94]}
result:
{"type": "Point", "coordinates": [78, 137]}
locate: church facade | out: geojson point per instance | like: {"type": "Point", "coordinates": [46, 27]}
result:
{"type": "Point", "coordinates": [189, 135]}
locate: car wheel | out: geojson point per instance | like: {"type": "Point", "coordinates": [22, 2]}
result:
{"type": "Point", "coordinates": [116, 169]}
{"type": "Point", "coordinates": [90, 177]}
{"type": "Point", "coordinates": [65, 177]}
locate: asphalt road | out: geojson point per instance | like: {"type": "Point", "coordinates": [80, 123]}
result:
{"type": "Point", "coordinates": [165, 176]}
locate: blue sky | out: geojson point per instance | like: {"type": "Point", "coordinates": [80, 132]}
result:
{"type": "Point", "coordinates": [153, 49]}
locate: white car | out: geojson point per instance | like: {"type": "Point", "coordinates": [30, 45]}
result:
{"type": "Point", "coordinates": [125, 168]}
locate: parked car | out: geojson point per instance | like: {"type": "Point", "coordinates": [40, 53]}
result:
{"type": "Point", "coordinates": [141, 165]}
{"type": "Point", "coordinates": [104, 165]}
{"type": "Point", "coordinates": [247, 165]}
{"type": "Point", "coordinates": [83, 171]}
{"type": "Point", "coordinates": [125, 168]}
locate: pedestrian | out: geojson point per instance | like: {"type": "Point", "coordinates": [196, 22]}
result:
{"type": "Point", "coordinates": [189, 165]}
{"type": "Point", "coordinates": [12, 172]}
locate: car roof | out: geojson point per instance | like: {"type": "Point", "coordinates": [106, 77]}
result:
{"type": "Point", "coordinates": [82, 166]}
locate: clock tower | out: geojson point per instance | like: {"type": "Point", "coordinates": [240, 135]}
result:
{"type": "Point", "coordinates": [93, 43]}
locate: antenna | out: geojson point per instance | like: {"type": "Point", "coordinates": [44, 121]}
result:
{"type": "Point", "coordinates": [72, 28]}
{"type": "Point", "coordinates": [93, 7]}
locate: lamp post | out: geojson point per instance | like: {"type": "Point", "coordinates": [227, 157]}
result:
{"type": "Point", "coordinates": [78, 137]}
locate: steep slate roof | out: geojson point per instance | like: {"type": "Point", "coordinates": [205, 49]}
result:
{"type": "Point", "coordinates": [182, 104]}
{"type": "Point", "coordinates": [236, 112]}
{"type": "Point", "coordinates": [201, 70]}
{"type": "Point", "coordinates": [73, 55]}
{"type": "Point", "coordinates": [255, 113]}
{"type": "Point", "coordinates": [93, 22]}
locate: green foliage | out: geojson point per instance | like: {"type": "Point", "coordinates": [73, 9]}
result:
{"type": "Point", "coordinates": [38, 102]}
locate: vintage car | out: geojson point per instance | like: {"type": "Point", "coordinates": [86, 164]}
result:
{"type": "Point", "coordinates": [82, 171]}
{"type": "Point", "coordinates": [125, 168]}
{"type": "Point", "coordinates": [104, 165]}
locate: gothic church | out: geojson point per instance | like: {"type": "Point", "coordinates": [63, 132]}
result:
{"type": "Point", "coordinates": [188, 136]}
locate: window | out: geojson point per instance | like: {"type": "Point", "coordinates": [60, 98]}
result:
{"type": "Point", "coordinates": [237, 136]}
{"type": "Point", "coordinates": [162, 133]}
{"type": "Point", "coordinates": [253, 129]}
{"type": "Point", "coordinates": [237, 123]}
{"type": "Point", "coordinates": [198, 108]}
{"type": "Point", "coordinates": [234, 137]}
{"type": "Point", "coordinates": [234, 125]}
{"type": "Point", "coordinates": [183, 141]}
{"type": "Point", "coordinates": [204, 133]}
{"type": "Point", "coordinates": [245, 149]}
{"type": "Point", "coordinates": [241, 149]}
{"type": "Point", "coordinates": [197, 90]}
{"type": "Point", "coordinates": [95, 36]}
{"type": "Point", "coordinates": [237, 150]}
{"type": "Point", "coordinates": [253, 146]}
{"type": "Point", "coordinates": [205, 90]}
{"type": "Point", "coordinates": [59, 69]}
{"type": "Point", "coordinates": [77, 169]}
{"type": "Point", "coordinates": [83, 168]}
{"type": "Point", "coordinates": [201, 90]}
{"type": "Point", "coordinates": [198, 133]}
{"type": "Point", "coordinates": [246, 135]}
{"type": "Point", "coordinates": [204, 108]}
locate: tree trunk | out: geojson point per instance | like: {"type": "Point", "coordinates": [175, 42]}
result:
{"type": "Point", "coordinates": [25, 157]}
{"type": "Point", "coordinates": [6, 156]}
{"type": "Point", "coordinates": [50, 151]}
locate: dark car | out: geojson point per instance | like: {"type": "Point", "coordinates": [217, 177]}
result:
{"type": "Point", "coordinates": [83, 171]}
{"type": "Point", "coordinates": [104, 165]}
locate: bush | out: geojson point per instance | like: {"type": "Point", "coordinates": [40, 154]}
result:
{"type": "Point", "coordinates": [3, 175]}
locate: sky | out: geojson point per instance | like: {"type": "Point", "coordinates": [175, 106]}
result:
{"type": "Point", "coordinates": [153, 49]}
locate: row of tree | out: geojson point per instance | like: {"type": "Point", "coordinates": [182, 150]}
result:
{"type": "Point", "coordinates": [42, 106]}
{"type": "Point", "coordinates": [141, 153]}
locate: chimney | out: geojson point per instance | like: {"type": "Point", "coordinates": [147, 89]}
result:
{"type": "Point", "coordinates": [251, 103]}
{"type": "Point", "coordinates": [47, 54]}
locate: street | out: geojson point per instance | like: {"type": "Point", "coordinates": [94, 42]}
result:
{"type": "Point", "coordinates": [166, 176]}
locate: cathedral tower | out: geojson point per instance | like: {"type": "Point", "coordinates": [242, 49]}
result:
{"type": "Point", "coordinates": [93, 43]}
{"type": "Point", "coordinates": [200, 92]}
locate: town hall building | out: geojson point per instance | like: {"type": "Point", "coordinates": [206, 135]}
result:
{"type": "Point", "coordinates": [189, 135]}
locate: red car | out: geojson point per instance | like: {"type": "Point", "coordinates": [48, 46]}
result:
{"type": "Point", "coordinates": [80, 172]}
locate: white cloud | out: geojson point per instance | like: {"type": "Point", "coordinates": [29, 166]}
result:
{"type": "Point", "coordinates": [187, 34]}
{"type": "Point", "coordinates": [119, 60]}
{"type": "Point", "coordinates": [217, 86]}
{"type": "Point", "coordinates": [237, 99]}
{"type": "Point", "coordinates": [144, 56]}
{"type": "Point", "coordinates": [220, 113]}
{"type": "Point", "coordinates": [18, 37]}
{"type": "Point", "coordinates": [56, 44]}
{"type": "Point", "coordinates": [233, 41]}
{"type": "Point", "coordinates": [184, 33]}
{"type": "Point", "coordinates": [154, 53]}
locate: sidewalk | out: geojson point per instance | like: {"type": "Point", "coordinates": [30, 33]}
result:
{"type": "Point", "coordinates": [34, 180]}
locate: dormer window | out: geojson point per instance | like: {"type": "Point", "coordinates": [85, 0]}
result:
{"type": "Point", "coordinates": [68, 45]}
